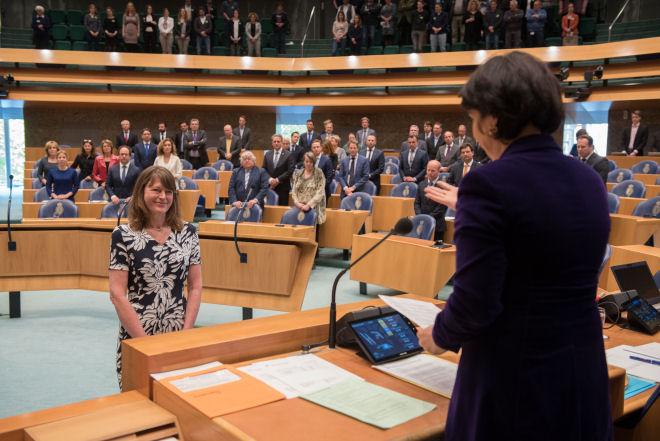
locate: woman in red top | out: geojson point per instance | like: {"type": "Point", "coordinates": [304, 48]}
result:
{"type": "Point", "coordinates": [104, 161]}
{"type": "Point", "coordinates": [569, 26]}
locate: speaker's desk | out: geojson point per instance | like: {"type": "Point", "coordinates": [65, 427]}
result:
{"type": "Point", "coordinates": [92, 210]}
{"type": "Point", "coordinates": [387, 210]}
{"type": "Point", "coordinates": [403, 263]}
{"type": "Point", "coordinates": [280, 260]}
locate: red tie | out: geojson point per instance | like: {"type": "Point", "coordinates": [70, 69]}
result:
{"type": "Point", "coordinates": [125, 137]}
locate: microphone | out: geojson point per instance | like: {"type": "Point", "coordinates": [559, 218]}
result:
{"type": "Point", "coordinates": [401, 228]}
{"type": "Point", "coordinates": [122, 207]}
{"type": "Point", "coordinates": [11, 245]}
{"type": "Point", "coordinates": [242, 256]}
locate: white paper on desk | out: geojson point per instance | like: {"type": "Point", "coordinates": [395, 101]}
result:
{"type": "Point", "coordinates": [424, 370]}
{"type": "Point", "coordinates": [419, 312]}
{"type": "Point", "coordinates": [620, 356]}
{"type": "Point", "coordinates": [196, 382]}
{"type": "Point", "coordinates": [298, 374]}
{"type": "Point", "coordinates": [649, 350]}
{"type": "Point", "coordinates": [202, 367]}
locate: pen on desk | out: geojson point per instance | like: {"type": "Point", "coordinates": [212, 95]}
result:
{"type": "Point", "coordinates": [645, 360]}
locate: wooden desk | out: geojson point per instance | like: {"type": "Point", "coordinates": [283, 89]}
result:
{"type": "Point", "coordinates": [403, 263]}
{"type": "Point", "coordinates": [224, 177]}
{"type": "Point", "coordinates": [210, 189]}
{"type": "Point", "coordinates": [627, 205]}
{"type": "Point", "coordinates": [628, 161]}
{"type": "Point", "coordinates": [385, 179]}
{"type": "Point", "coordinates": [188, 173]}
{"type": "Point", "coordinates": [632, 230]}
{"type": "Point", "coordinates": [629, 254]}
{"type": "Point", "coordinates": [188, 200]}
{"type": "Point", "coordinates": [280, 261]}
{"type": "Point", "coordinates": [449, 231]}
{"type": "Point", "coordinates": [386, 189]}
{"type": "Point", "coordinates": [81, 196]}
{"type": "Point", "coordinates": [334, 201]}
{"type": "Point", "coordinates": [646, 179]}
{"type": "Point", "coordinates": [387, 210]}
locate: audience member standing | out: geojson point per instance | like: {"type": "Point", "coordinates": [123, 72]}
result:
{"type": "Point", "coordinates": [149, 30]}
{"type": "Point", "coordinates": [586, 154]}
{"type": "Point", "coordinates": [424, 205]}
{"type": "Point", "coordinates": [462, 137]}
{"type": "Point", "coordinates": [308, 188]}
{"type": "Point", "coordinates": [369, 13]}
{"type": "Point", "coordinates": [168, 159]}
{"type": "Point", "coordinates": [48, 161]}
{"type": "Point", "coordinates": [93, 29]}
{"type": "Point", "coordinates": [85, 161]}
{"type": "Point", "coordinates": [492, 25]}
{"type": "Point", "coordinates": [151, 260]}
{"type": "Point", "coordinates": [420, 21]}
{"type": "Point", "coordinates": [126, 137]}
{"type": "Point", "coordinates": [227, 9]}
{"type": "Point", "coordinates": [464, 166]}
{"type": "Point", "coordinates": [512, 23]}
{"type": "Point", "coordinates": [41, 25]}
{"type": "Point", "coordinates": [339, 34]}
{"type": "Point", "coordinates": [348, 9]}
{"type": "Point", "coordinates": [435, 141]}
{"type": "Point", "coordinates": [180, 139]}
{"type": "Point", "coordinates": [195, 145]}
{"type": "Point", "coordinates": [280, 28]}
{"type": "Point", "coordinates": [353, 171]}
{"type": "Point", "coordinates": [166, 31]}
{"type": "Point", "coordinates": [448, 152]}
{"type": "Point", "coordinates": [376, 160]}
{"type": "Point", "coordinates": [247, 181]}
{"type": "Point", "coordinates": [203, 28]}
{"type": "Point", "coordinates": [278, 164]}
{"type": "Point", "coordinates": [103, 162]}
{"type": "Point", "coordinates": [296, 149]}
{"type": "Point", "coordinates": [536, 18]}
{"type": "Point", "coordinates": [569, 27]}
{"type": "Point", "coordinates": [121, 177]}
{"type": "Point", "coordinates": [161, 134]}
{"type": "Point", "coordinates": [473, 26]}
{"type": "Point", "coordinates": [325, 164]}
{"type": "Point", "coordinates": [438, 29]}
{"type": "Point", "coordinates": [355, 35]}
{"type": "Point", "coordinates": [328, 130]}
{"type": "Point", "coordinates": [111, 30]}
{"type": "Point", "coordinates": [182, 29]}
{"type": "Point", "coordinates": [130, 28]}
{"type": "Point", "coordinates": [388, 21]}
{"type": "Point", "coordinates": [229, 147]}
{"type": "Point", "coordinates": [243, 133]}
{"type": "Point", "coordinates": [363, 132]}
{"type": "Point", "coordinates": [145, 152]}
{"type": "Point", "coordinates": [235, 31]}
{"type": "Point", "coordinates": [309, 136]}
{"type": "Point", "coordinates": [62, 182]}
{"type": "Point", "coordinates": [413, 130]}
{"type": "Point", "coordinates": [253, 35]}
{"type": "Point", "coordinates": [635, 137]}
{"type": "Point", "coordinates": [457, 11]}
{"type": "Point", "coordinates": [412, 162]}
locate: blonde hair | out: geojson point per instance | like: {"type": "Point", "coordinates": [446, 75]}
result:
{"type": "Point", "coordinates": [112, 146]}
{"type": "Point", "coordinates": [62, 152]}
{"type": "Point", "coordinates": [138, 213]}
{"type": "Point", "coordinates": [50, 144]}
{"type": "Point", "coordinates": [160, 147]}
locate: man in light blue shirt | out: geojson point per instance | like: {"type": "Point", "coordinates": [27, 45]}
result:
{"type": "Point", "coordinates": [536, 18]}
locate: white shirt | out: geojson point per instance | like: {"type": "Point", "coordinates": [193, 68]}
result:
{"type": "Point", "coordinates": [173, 165]}
{"type": "Point", "coordinates": [633, 134]}
{"type": "Point", "coordinates": [247, 178]}
{"type": "Point", "coordinates": [166, 25]}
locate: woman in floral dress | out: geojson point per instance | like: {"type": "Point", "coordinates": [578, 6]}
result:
{"type": "Point", "coordinates": [308, 188]}
{"type": "Point", "coordinates": [150, 260]}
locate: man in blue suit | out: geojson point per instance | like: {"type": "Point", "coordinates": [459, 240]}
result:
{"type": "Point", "coordinates": [413, 162]}
{"type": "Point", "coordinates": [122, 177]}
{"type": "Point", "coordinates": [376, 160]}
{"type": "Point", "coordinates": [353, 171]}
{"type": "Point", "coordinates": [325, 164]}
{"type": "Point", "coordinates": [248, 181]}
{"type": "Point", "coordinates": [145, 152]}
{"type": "Point", "coordinates": [309, 136]}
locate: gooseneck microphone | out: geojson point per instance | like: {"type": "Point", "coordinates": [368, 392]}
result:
{"type": "Point", "coordinates": [401, 228]}
{"type": "Point", "coordinates": [11, 245]}
{"type": "Point", "coordinates": [122, 207]}
{"type": "Point", "coordinates": [241, 256]}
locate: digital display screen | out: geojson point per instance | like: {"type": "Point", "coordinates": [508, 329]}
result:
{"type": "Point", "coordinates": [386, 336]}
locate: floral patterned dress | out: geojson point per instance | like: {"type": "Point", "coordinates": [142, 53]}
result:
{"type": "Point", "coordinates": [310, 191]}
{"type": "Point", "coordinates": [156, 277]}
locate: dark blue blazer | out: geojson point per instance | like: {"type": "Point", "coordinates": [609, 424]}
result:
{"type": "Point", "coordinates": [306, 140]}
{"type": "Point", "coordinates": [115, 187]}
{"type": "Point", "coordinates": [361, 172]}
{"type": "Point", "coordinates": [325, 164]}
{"type": "Point", "coordinates": [418, 168]}
{"type": "Point", "coordinates": [143, 159]}
{"type": "Point", "coordinates": [257, 187]}
{"type": "Point", "coordinates": [376, 165]}
{"type": "Point", "coordinates": [523, 309]}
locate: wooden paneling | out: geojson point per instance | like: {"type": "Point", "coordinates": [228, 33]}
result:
{"type": "Point", "coordinates": [388, 210]}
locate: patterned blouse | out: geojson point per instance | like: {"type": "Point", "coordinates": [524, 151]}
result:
{"type": "Point", "coordinates": [310, 191]}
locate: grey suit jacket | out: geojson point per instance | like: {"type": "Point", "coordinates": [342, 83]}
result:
{"type": "Point", "coordinates": [245, 140]}
{"type": "Point", "coordinates": [421, 144]}
{"type": "Point", "coordinates": [362, 140]}
{"type": "Point", "coordinates": [234, 149]}
{"type": "Point", "coordinates": [447, 160]}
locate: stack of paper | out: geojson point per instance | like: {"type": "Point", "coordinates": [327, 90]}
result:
{"type": "Point", "coordinates": [298, 375]}
{"type": "Point", "coordinates": [203, 381]}
{"type": "Point", "coordinates": [419, 312]}
{"type": "Point", "coordinates": [624, 357]}
{"type": "Point", "coordinates": [426, 371]}
{"type": "Point", "coordinates": [366, 402]}
{"type": "Point", "coordinates": [202, 367]}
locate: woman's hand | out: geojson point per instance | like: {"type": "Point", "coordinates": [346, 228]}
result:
{"type": "Point", "coordinates": [425, 337]}
{"type": "Point", "coordinates": [443, 193]}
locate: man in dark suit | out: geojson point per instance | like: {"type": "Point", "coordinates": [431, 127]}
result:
{"type": "Point", "coordinates": [297, 150]}
{"type": "Point", "coordinates": [325, 164]}
{"type": "Point", "coordinates": [248, 180]}
{"type": "Point", "coordinates": [635, 137]}
{"type": "Point", "coordinates": [242, 132]}
{"type": "Point", "coordinates": [126, 137]}
{"type": "Point", "coordinates": [309, 136]}
{"type": "Point", "coordinates": [195, 145]}
{"type": "Point", "coordinates": [461, 137]}
{"type": "Point", "coordinates": [122, 177]}
{"type": "Point", "coordinates": [145, 152]}
{"type": "Point", "coordinates": [162, 133]}
{"type": "Point", "coordinates": [586, 154]}
{"type": "Point", "coordinates": [414, 131]}
{"type": "Point", "coordinates": [363, 133]}
{"type": "Point", "coordinates": [463, 167]}
{"type": "Point", "coordinates": [412, 162]}
{"type": "Point", "coordinates": [353, 171]}
{"type": "Point", "coordinates": [434, 141]}
{"type": "Point", "coordinates": [376, 160]}
{"type": "Point", "coordinates": [230, 147]}
{"type": "Point", "coordinates": [424, 205]}
{"type": "Point", "coordinates": [278, 163]}
{"type": "Point", "coordinates": [179, 139]}
{"type": "Point", "coordinates": [448, 152]}
{"type": "Point", "coordinates": [329, 129]}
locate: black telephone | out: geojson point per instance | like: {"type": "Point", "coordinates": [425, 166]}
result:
{"type": "Point", "coordinates": [642, 315]}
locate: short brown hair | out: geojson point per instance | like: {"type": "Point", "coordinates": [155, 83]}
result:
{"type": "Point", "coordinates": [138, 213]}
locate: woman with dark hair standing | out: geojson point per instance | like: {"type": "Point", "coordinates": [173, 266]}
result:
{"type": "Point", "coordinates": [151, 258]}
{"type": "Point", "coordinates": [111, 30]}
{"type": "Point", "coordinates": [85, 160]}
{"type": "Point", "coordinates": [523, 311]}
{"type": "Point", "coordinates": [93, 29]}
{"type": "Point", "coordinates": [149, 30]}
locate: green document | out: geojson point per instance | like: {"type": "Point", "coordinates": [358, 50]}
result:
{"type": "Point", "coordinates": [366, 402]}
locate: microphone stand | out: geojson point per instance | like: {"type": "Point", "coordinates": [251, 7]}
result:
{"type": "Point", "coordinates": [123, 206]}
{"type": "Point", "coordinates": [242, 256]}
{"type": "Point", "coordinates": [302, 43]}
{"type": "Point", "coordinates": [11, 245]}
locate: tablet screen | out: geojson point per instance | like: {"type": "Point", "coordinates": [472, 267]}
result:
{"type": "Point", "coordinates": [387, 337]}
